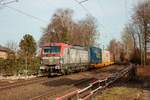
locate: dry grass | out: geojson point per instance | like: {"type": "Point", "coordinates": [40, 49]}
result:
{"type": "Point", "coordinates": [143, 71]}
{"type": "Point", "coordinates": [120, 93]}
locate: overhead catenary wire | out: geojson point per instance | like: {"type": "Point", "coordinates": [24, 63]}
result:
{"type": "Point", "coordinates": [83, 1]}
{"type": "Point", "coordinates": [81, 4]}
{"type": "Point", "coordinates": [5, 4]}
{"type": "Point", "coordinates": [106, 28]}
{"type": "Point", "coordinates": [1, 0]}
{"type": "Point", "coordinates": [26, 14]}
{"type": "Point", "coordinates": [105, 35]}
{"type": "Point", "coordinates": [126, 9]}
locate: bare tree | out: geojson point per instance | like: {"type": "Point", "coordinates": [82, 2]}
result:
{"type": "Point", "coordinates": [112, 48]}
{"type": "Point", "coordinates": [116, 48]}
{"type": "Point", "coordinates": [88, 29]}
{"type": "Point", "coordinates": [12, 46]}
{"type": "Point", "coordinates": [59, 28]}
{"type": "Point", "coordinates": [142, 19]}
{"type": "Point", "coordinates": [129, 41]}
{"type": "Point", "coordinates": [63, 28]}
{"type": "Point", "coordinates": [138, 33]}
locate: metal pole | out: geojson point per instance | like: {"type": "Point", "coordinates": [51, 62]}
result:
{"type": "Point", "coordinates": [145, 34]}
{"type": "Point", "coordinates": [141, 54]}
{"type": "Point", "coordinates": [103, 47]}
{"type": "Point", "coordinates": [144, 37]}
{"type": "Point", "coordinates": [26, 67]}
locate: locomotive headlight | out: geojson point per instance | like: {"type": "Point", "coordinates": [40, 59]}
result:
{"type": "Point", "coordinates": [42, 61]}
{"type": "Point", "coordinates": [61, 60]}
{"type": "Point", "coordinates": [57, 67]}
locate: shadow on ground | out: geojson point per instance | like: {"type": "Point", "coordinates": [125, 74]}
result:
{"type": "Point", "coordinates": [69, 81]}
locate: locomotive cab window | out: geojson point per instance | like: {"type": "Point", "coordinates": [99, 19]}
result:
{"type": "Point", "coordinates": [52, 50]}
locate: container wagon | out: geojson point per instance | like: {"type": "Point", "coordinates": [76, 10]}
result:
{"type": "Point", "coordinates": [106, 58]}
{"type": "Point", "coordinates": [99, 58]}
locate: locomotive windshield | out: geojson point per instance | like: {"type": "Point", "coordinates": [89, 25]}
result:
{"type": "Point", "coordinates": [52, 50]}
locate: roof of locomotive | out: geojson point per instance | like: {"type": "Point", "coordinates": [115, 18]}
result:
{"type": "Point", "coordinates": [55, 44]}
{"type": "Point", "coordinates": [64, 44]}
{"type": "Point", "coordinates": [79, 47]}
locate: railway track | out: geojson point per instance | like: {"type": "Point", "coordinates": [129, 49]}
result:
{"type": "Point", "coordinates": [40, 80]}
{"type": "Point", "coordinates": [21, 83]}
{"type": "Point", "coordinates": [87, 92]}
{"type": "Point", "coordinates": [56, 86]}
{"type": "Point", "coordinates": [81, 84]}
{"type": "Point", "coordinates": [4, 83]}
{"type": "Point", "coordinates": [47, 94]}
{"type": "Point", "coordinates": [7, 85]}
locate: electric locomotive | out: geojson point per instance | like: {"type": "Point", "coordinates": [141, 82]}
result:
{"type": "Point", "coordinates": [61, 58]}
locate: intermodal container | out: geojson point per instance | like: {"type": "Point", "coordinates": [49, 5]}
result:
{"type": "Point", "coordinates": [95, 55]}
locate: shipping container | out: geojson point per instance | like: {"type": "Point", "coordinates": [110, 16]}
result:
{"type": "Point", "coordinates": [95, 55]}
{"type": "Point", "coordinates": [106, 57]}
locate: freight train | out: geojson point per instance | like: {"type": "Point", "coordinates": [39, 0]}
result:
{"type": "Point", "coordinates": [61, 58]}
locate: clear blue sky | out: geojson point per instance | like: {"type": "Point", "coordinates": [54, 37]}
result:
{"type": "Point", "coordinates": [111, 17]}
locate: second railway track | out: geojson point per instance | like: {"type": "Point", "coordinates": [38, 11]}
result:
{"type": "Point", "coordinates": [21, 83]}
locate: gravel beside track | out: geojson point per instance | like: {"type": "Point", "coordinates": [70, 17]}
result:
{"type": "Point", "coordinates": [56, 86]}
{"type": "Point", "coordinates": [14, 84]}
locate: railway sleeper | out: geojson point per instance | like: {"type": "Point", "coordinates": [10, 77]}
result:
{"type": "Point", "coordinates": [66, 69]}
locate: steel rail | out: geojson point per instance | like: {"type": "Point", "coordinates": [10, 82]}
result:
{"type": "Point", "coordinates": [107, 81]}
